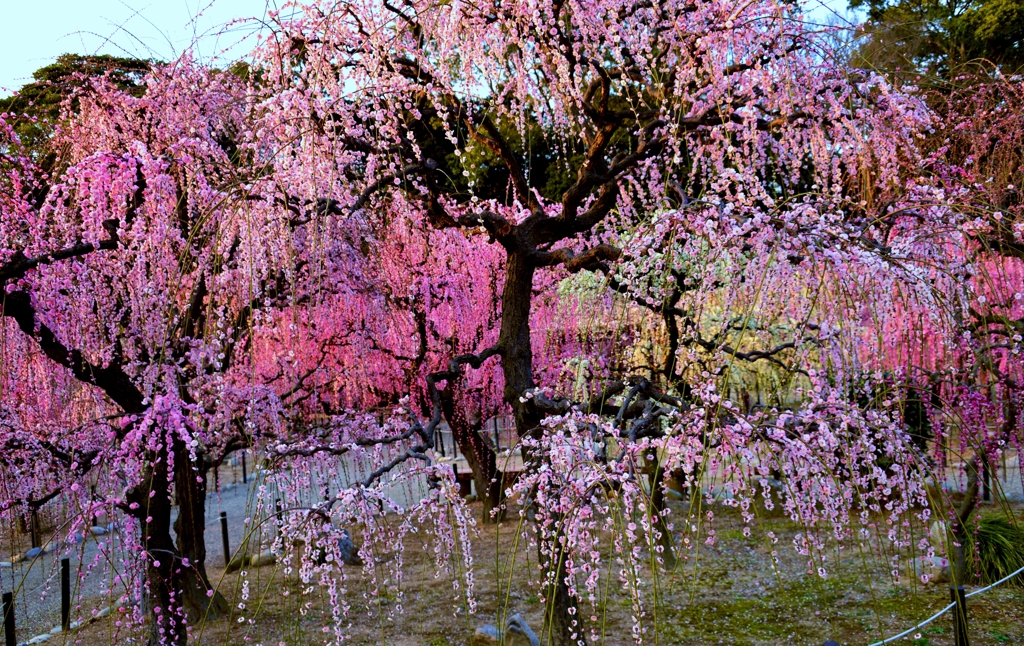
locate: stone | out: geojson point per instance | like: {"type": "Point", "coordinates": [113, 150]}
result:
{"type": "Point", "coordinates": [98, 531]}
{"type": "Point", "coordinates": [347, 549]}
{"type": "Point", "coordinates": [672, 494]}
{"type": "Point", "coordinates": [265, 557]}
{"type": "Point", "coordinates": [38, 639]}
{"type": "Point", "coordinates": [519, 633]}
{"type": "Point", "coordinates": [56, 630]}
{"type": "Point", "coordinates": [6, 564]}
{"type": "Point", "coordinates": [936, 567]}
{"type": "Point", "coordinates": [486, 636]}
{"type": "Point", "coordinates": [34, 552]}
{"type": "Point", "coordinates": [103, 612]}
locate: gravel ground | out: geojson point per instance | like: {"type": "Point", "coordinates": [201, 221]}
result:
{"type": "Point", "coordinates": [36, 583]}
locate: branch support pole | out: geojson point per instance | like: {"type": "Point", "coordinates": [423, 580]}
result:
{"type": "Point", "coordinates": [11, 640]}
{"type": "Point", "coordinates": [65, 593]}
{"type": "Point", "coordinates": [224, 537]}
{"type": "Point", "coordinates": [958, 597]}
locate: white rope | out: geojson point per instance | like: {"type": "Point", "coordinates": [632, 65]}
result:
{"type": "Point", "coordinates": [920, 625]}
{"type": "Point", "coordinates": [1002, 580]}
{"type": "Point", "coordinates": [946, 609]}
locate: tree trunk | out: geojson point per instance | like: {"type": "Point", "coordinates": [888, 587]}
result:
{"type": "Point", "coordinates": [163, 567]}
{"type": "Point", "coordinates": [959, 531]}
{"type": "Point", "coordinates": [561, 620]}
{"type": "Point", "coordinates": [190, 531]}
{"type": "Point", "coordinates": [514, 340]}
{"type": "Point", "coordinates": [658, 508]}
{"type": "Point", "coordinates": [562, 625]}
{"type": "Point", "coordinates": [479, 456]}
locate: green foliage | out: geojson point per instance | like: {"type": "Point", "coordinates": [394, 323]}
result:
{"type": "Point", "coordinates": [38, 104]}
{"type": "Point", "coordinates": [997, 550]}
{"type": "Point", "coordinates": [940, 36]}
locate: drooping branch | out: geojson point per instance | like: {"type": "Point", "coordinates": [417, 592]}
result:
{"type": "Point", "coordinates": [112, 378]}
{"type": "Point", "coordinates": [19, 264]}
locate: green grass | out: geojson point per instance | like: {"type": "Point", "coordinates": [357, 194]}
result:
{"type": "Point", "coordinates": [996, 550]}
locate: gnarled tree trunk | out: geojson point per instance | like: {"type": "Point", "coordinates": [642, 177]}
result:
{"type": "Point", "coordinates": [659, 508]}
{"type": "Point", "coordinates": [561, 621]}
{"type": "Point", "coordinates": [190, 531]}
{"type": "Point", "coordinates": [481, 459]}
{"type": "Point", "coordinates": [152, 507]}
{"type": "Point", "coordinates": [562, 624]}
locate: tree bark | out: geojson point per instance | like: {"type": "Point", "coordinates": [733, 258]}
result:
{"type": "Point", "coordinates": [481, 459]}
{"type": "Point", "coordinates": [658, 508]}
{"type": "Point", "coordinates": [959, 533]}
{"type": "Point", "coordinates": [561, 619]}
{"type": "Point", "coordinates": [562, 626]}
{"type": "Point", "coordinates": [190, 532]}
{"type": "Point", "coordinates": [514, 339]}
{"type": "Point", "coordinates": [163, 562]}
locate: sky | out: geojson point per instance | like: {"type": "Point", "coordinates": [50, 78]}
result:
{"type": "Point", "coordinates": [40, 30]}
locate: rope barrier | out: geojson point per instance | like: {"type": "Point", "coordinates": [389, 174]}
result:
{"type": "Point", "coordinates": [946, 609]}
{"type": "Point", "coordinates": [920, 625]}
{"type": "Point", "coordinates": [1002, 580]}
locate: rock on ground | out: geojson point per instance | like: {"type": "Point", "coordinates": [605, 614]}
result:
{"type": "Point", "coordinates": [517, 633]}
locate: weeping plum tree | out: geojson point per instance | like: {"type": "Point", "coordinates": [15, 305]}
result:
{"type": "Point", "coordinates": [190, 306]}
{"type": "Point", "coordinates": [719, 164]}
{"type": "Point", "coordinates": [138, 265]}
{"type": "Point", "coordinates": [399, 196]}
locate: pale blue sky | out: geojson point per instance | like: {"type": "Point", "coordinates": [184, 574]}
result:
{"type": "Point", "coordinates": [37, 31]}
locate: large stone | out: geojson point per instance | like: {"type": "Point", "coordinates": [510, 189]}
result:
{"type": "Point", "coordinates": [266, 557]}
{"type": "Point", "coordinates": [486, 636]}
{"type": "Point", "coordinates": [99, 531]}
{"type": "Point", "coordinates": [935, 567]}
{"type": "Point", "coordinates": [518, 632]}
{"type": "Point", "coordinates": [347, 549]}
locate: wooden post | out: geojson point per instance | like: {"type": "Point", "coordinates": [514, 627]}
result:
{"type": "Point", "coordinates": [245, 477]}
{"type": "Point", "coordinates": [65, 594]}
{"type": "Point", "coordinates": [9, 619]}
{"type": "Point", "coordinates": [92, 492]}
{"type": "Point", "coordinates": [959, 615]}
{"type": "Point", "coordinates": [34, 528]}
{"type": "Point", "coordinates": [224, 537]}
